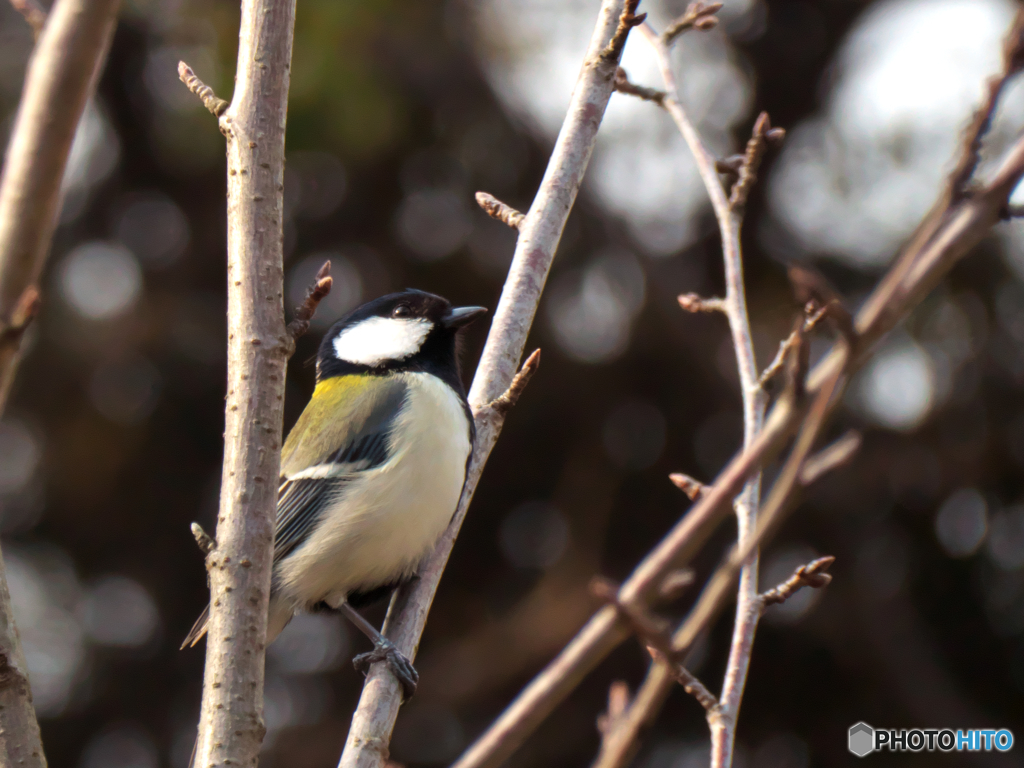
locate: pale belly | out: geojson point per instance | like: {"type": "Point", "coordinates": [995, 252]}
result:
{"type": "Point", "coordinates": [385, 522]}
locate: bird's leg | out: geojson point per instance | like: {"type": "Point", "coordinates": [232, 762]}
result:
{"type": "Point", "coordinates": [383, 650]}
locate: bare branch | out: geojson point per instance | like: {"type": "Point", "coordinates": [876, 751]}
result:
{"type": "Point", "coordinates": [729, 214]}
{"type": "Point", "coordinates": [747, 172]}
{"type": "Point", "coordinates": [316, 293]}
{"type": "Point", "coordinates": [231, 724]}
{"type": "Point", "coordinates": [623, 85]}
{"type": "Point", "coordinates": [216, 105]}
{"type": "Point", "coordinates": [618, 703]}
{"type": "Point", "coordinates": [698, 15]}
{"type": "Point", "coordinates": [503, 404]}
{"type": "Point", "coordinates": [689, 681]}
{"type": "Point", "coordinates": [961, 227]}
{"type": "Point", "coordinates": [688, 485]}
{"type": "Point", "coordinates": [539, 234]}
{"type": "Point", "coordinates": [813, 315]}
{"type": "Point", "coordinates": [652, 631]}
{"type": "Point", "coordinates": [830, 457]}
{"type": "Point", "coordinates": [812, 575]}
{"type": "Point", "coordinates": [970, 152]}
{"type": "Point", "coordinates": [675, 584]}
{"type": "Point", "coordinates": [496, 209]}
{"type": "Point", "coordinates": [654, 634]}
{"type": "Point", "coordinates": [61, 77]}
{"type": "Point", "coordinates": [33, 12]}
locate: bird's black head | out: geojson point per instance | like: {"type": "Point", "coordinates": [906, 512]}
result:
{"type": "Point", "coordinates": [408, 331]}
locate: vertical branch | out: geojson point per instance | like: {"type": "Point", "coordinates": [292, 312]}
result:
{"type": "Point", "coordinates": [62, 75]}
{"type": "Point", "coordinates": [539, 234]}
{"type": "Point", "coordinates": [618, 747]}
{"type": "Point", "coordinates": [231, 724]}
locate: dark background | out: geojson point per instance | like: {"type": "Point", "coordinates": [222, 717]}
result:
{"type": "Point", "coordinates": [113, 440]}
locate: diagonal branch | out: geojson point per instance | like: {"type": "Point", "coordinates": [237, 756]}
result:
{"type": "Point", "coordinates": [539, 234]}
{"type": "Point", "coordinates": [61, 78]}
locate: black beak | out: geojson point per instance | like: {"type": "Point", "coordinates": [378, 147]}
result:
{"type": "Point", "coordinates": [459, 317]}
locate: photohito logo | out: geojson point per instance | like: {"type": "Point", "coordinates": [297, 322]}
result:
{"type": "Point", "coordinates": [863, 739]}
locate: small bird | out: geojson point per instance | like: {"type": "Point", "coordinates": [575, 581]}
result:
{"type": "Point", "coordinates": [373, 469]}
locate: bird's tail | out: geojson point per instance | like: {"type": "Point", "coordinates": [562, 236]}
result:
{"type": "Point", "coordinates": [281, 613]}
{"type": "Point", "coordinates": [198, 629]}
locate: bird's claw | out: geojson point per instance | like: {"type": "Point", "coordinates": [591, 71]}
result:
{"type": "Point", "coordinates": [402, 668]}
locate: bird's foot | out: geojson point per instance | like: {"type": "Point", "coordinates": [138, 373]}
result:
{"type": "Point", "coordinates": [401, 667]}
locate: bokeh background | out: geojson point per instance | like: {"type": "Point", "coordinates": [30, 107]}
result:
{"type": "Point", "coordinates": [400, 110]}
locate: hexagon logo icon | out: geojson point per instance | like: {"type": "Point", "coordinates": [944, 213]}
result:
{"type": "Point", "coordinates": [862, 739]}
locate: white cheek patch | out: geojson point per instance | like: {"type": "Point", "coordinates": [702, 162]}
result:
{"type": "Point", "coordinates": [379, 339]}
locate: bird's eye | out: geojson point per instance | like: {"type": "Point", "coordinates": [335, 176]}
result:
{"type": "Point", "coordinates": [402, 310]}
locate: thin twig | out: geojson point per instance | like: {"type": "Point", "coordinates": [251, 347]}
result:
{"type": "Point", "coordinates": [539, 235]}
{"type": "Point", "coordinates": [653, 633]}
{"type": "Point", "coordinates": [61, 77]}
{"type": "Point", "coordinates": [747, 172]}
{"type": "Point", "coordinates": [624, 85]}
{"type": "Point", "coordinates": [691, 684]}
{"type": "Point", "coordinates": [729, 214]}
{"type": "Point", "coordinates": [675, 583]}
{"type": "Point", "coordinates": [970, 154]}
{"type": "Point", "coordinates": [960, 227]}
{"type": "Point", "coordinates": [33, 12]}
{"type": "Point", "coordinates": [830, 457]}
{"type": "Point", "coordinates": [698, 15]}
{"type": "Point", "coordinates": [688, 485]}
{"type": "Point", "coordinates": [12, 332]}
{"type": "Point", "coordinates": [813, 315]}
{"type": "Point", "coordinates": [507, 400]}
{"type": "Point", "coordinates": [618, 702]}
{"type": "Point", "coordinates": [691, 302]}
{"type": "Point", "coordinates": [780, 500]}
{"type": "Point", "coordinates": [317, 292]}
{"type": "Point", "coordinates": [812, 575]}
{"type": "Point", "coordinates": [231, 726]}
{"type": "Point", "coordinates": [496, 209]}
{"type": "Point", "coordinates": [216, 105]}
{"type": "Point", "coordinates": [627, 20]}
{"type": "Point", "coordinates": [203, 539]}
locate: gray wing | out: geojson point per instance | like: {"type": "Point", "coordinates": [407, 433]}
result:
{"type": "Point", "coordinates": [359, 443]}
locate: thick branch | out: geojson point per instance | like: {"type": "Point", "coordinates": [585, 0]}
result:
{"type": "Point", "coordinates": [231, 723]}
{"type": "Point", "coordinates": [61, 77]}
{"type": "Point", "coordinates": [961, 226]}
{"type": "Point", "coordinates": [539, 234]}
